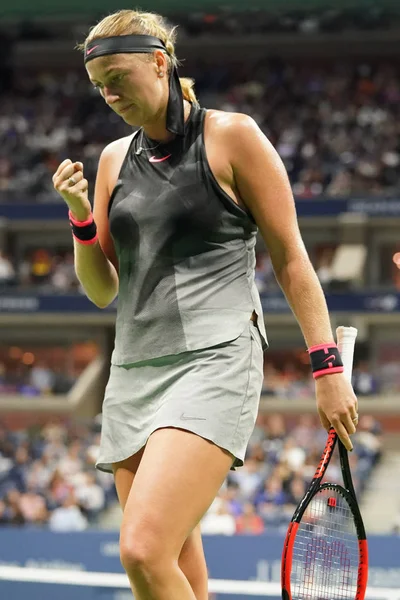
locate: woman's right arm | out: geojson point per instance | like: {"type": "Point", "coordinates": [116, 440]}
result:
{"type": "Point", "coordinates": [95, 264]}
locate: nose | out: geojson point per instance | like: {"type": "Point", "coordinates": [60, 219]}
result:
{"type": "Point", "coordinates": [110, 97]}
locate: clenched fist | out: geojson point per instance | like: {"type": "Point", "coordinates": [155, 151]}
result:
{"type": "Point", "coordinates": [70, 183]}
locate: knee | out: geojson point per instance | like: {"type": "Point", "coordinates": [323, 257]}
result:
{"type": "Point", "coordinates": [141, 553]}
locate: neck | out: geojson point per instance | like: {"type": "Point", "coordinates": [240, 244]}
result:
{"type": "Point", "coordinates": [158, 131]}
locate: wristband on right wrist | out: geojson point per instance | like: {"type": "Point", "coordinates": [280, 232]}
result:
{"type": "Point", "coordinates": [325, 360]}
{"type": "Point", "coordinates": [84, 232]}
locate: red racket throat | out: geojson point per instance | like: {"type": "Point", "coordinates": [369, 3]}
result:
{"type": "Point", "coordinates": [325, 554]}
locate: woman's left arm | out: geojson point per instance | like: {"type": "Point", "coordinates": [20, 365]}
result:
{"type": "Point", "coordinates": [262, 183]}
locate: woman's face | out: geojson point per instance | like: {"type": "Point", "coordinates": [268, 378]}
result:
{"type": "Point", "coordinates": [131, 86]}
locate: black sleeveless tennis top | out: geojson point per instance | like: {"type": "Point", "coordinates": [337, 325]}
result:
{"type": "Point", "coordinates": [185, 250]}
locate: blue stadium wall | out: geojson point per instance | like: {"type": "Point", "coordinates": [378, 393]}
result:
{"type": "Point", "coordinates": [237, 557]}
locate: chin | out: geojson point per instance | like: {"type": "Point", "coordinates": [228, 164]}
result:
{"type": "Point", "coordinates": [132, 122]}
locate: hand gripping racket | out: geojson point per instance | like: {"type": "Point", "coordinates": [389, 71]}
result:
{"type": "Point", "coordinates": [325, 555]}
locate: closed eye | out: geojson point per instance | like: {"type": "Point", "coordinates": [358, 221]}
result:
{"type": "Point", "coordinates": [115, 79]}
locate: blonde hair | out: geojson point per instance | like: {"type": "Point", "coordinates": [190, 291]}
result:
{"type": "Point", "coordinates": [132, 22]}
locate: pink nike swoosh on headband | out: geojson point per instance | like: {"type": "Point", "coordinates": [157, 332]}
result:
{"type": "Point", "coordinates": [153, 159]}
{"type": "Point", "coordinates": [91, 50]}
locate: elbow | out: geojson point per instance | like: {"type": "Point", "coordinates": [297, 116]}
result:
{"type": "Point", "coordinates": [292, 267]}
{"type": "Point", "coordinates": [103, 300]}
{"type": "Point", "coordinates": [100, 303]}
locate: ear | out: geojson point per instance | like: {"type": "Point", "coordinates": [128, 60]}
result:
{"type": "Point", "coordinates": [160, 61]}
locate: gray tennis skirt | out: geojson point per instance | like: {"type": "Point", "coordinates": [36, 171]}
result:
{"type": "Point", "coordinates": [213, 392]}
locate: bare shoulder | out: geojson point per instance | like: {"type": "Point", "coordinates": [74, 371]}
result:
{"type": "Point", "coordinates": [237, 134]}
{"type": "Point", "coordinates": [111, 160]}
{"type": "Point", "coordinates": [118, 147]}
{"type": "Point", "coordinates": [231, 123]}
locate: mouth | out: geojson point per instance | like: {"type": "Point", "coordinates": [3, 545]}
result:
{"type": "Point", "coordinates": [124, 110]}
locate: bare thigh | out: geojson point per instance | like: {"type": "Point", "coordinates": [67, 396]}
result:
{"type": "Point", "coordinates": [177, 479]}
{"type": "Point", "coordinates": [124, 474]}
{"type": "Point", "coordinates": [191, 559]}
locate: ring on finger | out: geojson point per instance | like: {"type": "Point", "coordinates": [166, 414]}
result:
{"type": "Point", "coordinates": [71, 181]}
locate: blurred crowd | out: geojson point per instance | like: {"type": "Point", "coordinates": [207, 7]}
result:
{"type": "Point", "coordinates": [39, 379]}
{"type": "Point", "coordinates": [335, 125]}
{"type": "Point", "coordinates": [281, 461]}
{"type": "Point", "coordinates": [222, 20]}
{"type": "Point", "coordinates": [47, 477]}
{"type": "Point", "coordinates": [290, 377]}
{"type": "Point", "coordinates": [296, 21]}
{"type": "Point", "coordinates": [43, 367]}
{"type": "Point", "coordinates": [49, 270]}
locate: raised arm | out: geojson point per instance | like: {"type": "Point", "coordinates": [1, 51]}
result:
{"type": "Point", "coordinates": [95, 263]}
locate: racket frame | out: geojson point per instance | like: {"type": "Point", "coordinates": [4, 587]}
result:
{"type": "Point", "coordinates": [348, 493]}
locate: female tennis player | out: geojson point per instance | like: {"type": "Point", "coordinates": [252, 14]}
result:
{"type": "Point", "coordinates": [176, 212]}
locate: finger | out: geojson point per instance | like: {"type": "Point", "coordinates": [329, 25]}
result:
{"type": "Point", "coordinates": [353, 411]}
{"type": "Point", "coordinates": [67, 171]}
{"type": "Point", "coordinates": [76, 176]}
{"type": "Point", "coordinates": [61, 167]}
{"type": "Point", "coordinates": [396, 259]}
{"type": "Point", "coordinates": [349, 423]}
{"type": "Point", "coordinates": [78, 166]}
{"type": "Point", "coordinates": [81, 186]}
{"type": "Point", "coordinates": [60, 182]}
{"type": "Point", "coordinates": [68, 185]}
{"type": "Point", "coordinates": [353, 414]}
{"type": "Point", "coordinates": [324, 420]}
{"type": "Point", "coordinates": [342, 433]}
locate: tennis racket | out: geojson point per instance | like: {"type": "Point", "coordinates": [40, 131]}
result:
{"type": "Point", "coordinates": [325, 555]}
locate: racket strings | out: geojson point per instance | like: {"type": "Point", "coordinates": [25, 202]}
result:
{"type": "Point", "coordinates": [325, 552]}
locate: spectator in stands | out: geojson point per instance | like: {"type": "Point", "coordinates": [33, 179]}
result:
{"type": "Point", "coordinates": [304, 432]}
{"type": "Point", "coordinates": [369, 446]}
{"type": "Point", "coordinates": [71, 464]}
{"type": "Point", "coordinates": [323, 268]}
{"type": "Point", "coordinates": [14, 513]}
{"type": "Point", "coordinates": [249, 521]}
{"type": "Point", "coordinates": [40, 266]}
{"type": "Point", "coordinates": [33, 507]}
{"type": "Point", "coordinates": [19, 471]}
{"type": "Point", "coordinates": [292, 454]}
{"type": "Point", "coordinates": [39, 475]}
{"type": "Point", "coordinates": [273, 384]}
{"type": "Point", "coordinates": [90, 497]}
{"type": "Point", "coordinates": [248, 478]}
{"type": "Point", "coordinates": [364, 382]}
{"type": "Point", "coordinates": [59, 490]}
{"type": "Point", "coordinates": [7, 271]}
{"type": "Point", "coordinates": [272, 494]}
{"type": "Point", "coordinates": [232, 499]}
{"type": "Point", "coordinates": [218, 520]}
{"type": "Point", "coordinates": [3, 513]}
{"type": "Point", "coordinates": [264, 277]}
{"type": "Point", "coordinates": [297, 489]}
{"type": "Point", "coordinates": [63, 278]}
{"type": "Point", "coordinates": [41, 377]}
{"type": "Point", "coordinates": [68, 517]}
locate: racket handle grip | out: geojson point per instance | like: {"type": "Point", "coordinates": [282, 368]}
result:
{"type": "Point", "coordinates": [346, 340]}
